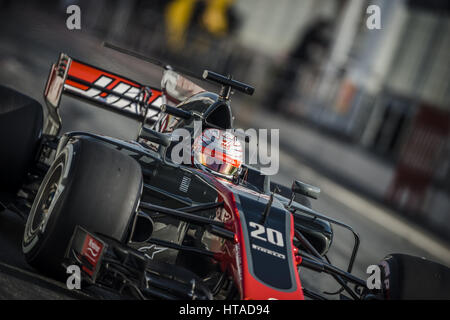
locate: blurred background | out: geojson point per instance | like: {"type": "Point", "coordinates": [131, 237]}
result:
{"type": "Point", "coordinates": [363, 113]}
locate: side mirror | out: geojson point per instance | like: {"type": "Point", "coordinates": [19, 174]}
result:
{"type": "Point", "coordinates": [302, 188]}
{"type": "Point", "coordinates": [163, 139]}
{"type": "Point", "coordinates": [154, 136]}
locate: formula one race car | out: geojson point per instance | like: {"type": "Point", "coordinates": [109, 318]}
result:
{"type": "Point", "coordinates": [140, 224]}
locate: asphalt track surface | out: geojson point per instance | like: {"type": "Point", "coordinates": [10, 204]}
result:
{"type": "Point", "coordinates": [26, 54]}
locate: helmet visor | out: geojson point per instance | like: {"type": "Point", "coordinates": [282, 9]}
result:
{"type": "Point", "coordinates": [219, 151]}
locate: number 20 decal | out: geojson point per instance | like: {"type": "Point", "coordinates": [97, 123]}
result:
{"type": "Point", "coordinates": [267, 234]}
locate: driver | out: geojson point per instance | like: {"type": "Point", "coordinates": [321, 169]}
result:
{"type": "Point", "coordinates": [219, 152]}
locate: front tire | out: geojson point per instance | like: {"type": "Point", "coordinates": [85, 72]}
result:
{"type": "Point", "coordinates": [406, 277]}
{"type": "Point", "coordinates": [89, 184]}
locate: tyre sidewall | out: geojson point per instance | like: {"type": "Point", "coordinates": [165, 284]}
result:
{"type": "Point", "coordinates": [38, 242]}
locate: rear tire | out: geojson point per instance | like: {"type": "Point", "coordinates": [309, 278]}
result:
{"type": "Point", "coordinates": [89, 184]}
{"type": "Point", "coordinates": [21, 120]}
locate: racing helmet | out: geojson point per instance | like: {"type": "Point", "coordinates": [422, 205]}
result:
{"type": "Point", "coordinates": [218, 151]}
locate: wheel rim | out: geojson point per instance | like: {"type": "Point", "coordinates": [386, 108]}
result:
{"type": "Point", "coordinates": [42, 212]}
{"type": "Point", "coordinates": [46, 199]}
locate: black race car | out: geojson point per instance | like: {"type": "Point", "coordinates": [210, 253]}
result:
{"type": "Point", "coordinates": [140, 224]}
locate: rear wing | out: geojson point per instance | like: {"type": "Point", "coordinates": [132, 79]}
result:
{"type": "Point", "coordinates": [99, 87]}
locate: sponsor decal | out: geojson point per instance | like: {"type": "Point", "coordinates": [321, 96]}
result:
{"type": "Point", "coordinates": [150, 251]}
{"type": "Point", "coordinates": [92, 249]}
{"type": "Point", "coordinates": [273, 253]}
{"type": "Point", "coordinates": [120, 87]}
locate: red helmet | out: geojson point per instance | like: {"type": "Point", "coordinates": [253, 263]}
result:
{"type": "Point", "coordinates": [218, 151]}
